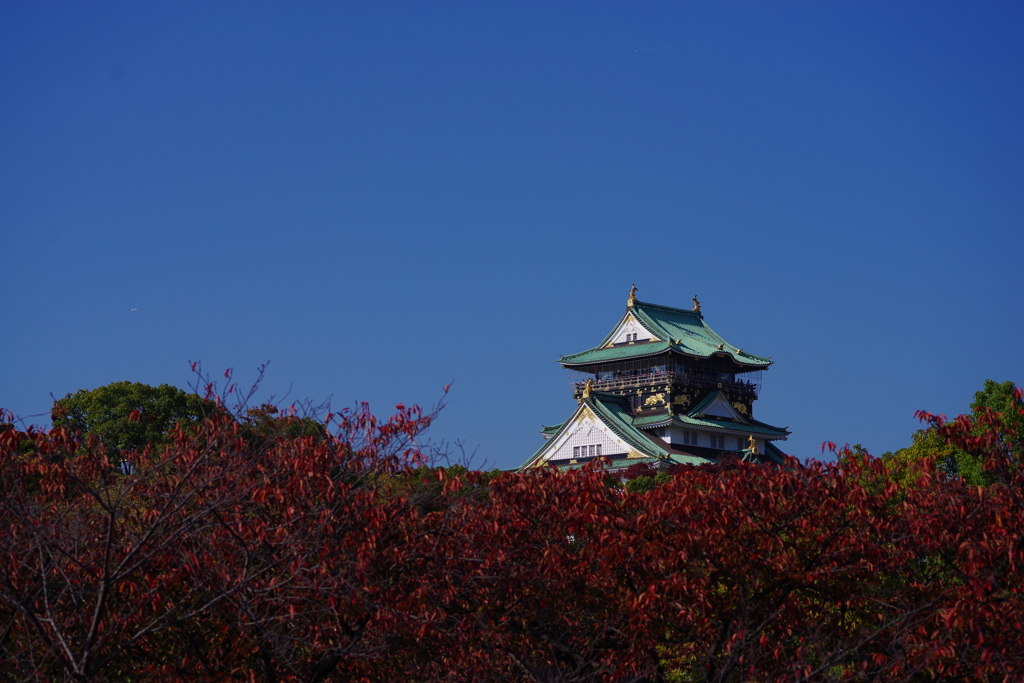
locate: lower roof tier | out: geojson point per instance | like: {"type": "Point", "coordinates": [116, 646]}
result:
{"type": "Point", "coordinates": [603, 425]}
{"type": "Point", "coordinates": [612, 464]}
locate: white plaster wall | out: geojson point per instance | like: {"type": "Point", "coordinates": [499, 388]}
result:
{"type": "Point", "coordinates": [675, 434]}
{"type": "Point", "coordinates": [732, 441]}
{"type": "Point", "coordinates": [630, 326]}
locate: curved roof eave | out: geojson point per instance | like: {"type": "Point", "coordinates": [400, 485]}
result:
{"type": "Point", "coordinates": [713, 426]}
{"type": "Point", "coordinates": [646, 350]}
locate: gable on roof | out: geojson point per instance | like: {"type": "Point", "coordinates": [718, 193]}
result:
{"type": "Point", "coordinates": [716, 405]}
{"type": "Point", "coordinates": [584, 430]}
{"type": "Point", "coordinates": [628, 330]}
{"type": "Point", "coordinates": [600, 420]}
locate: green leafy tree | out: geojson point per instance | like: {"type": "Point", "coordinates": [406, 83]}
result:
{"type": "Point", "coordinates": [1003, 398]}
{"type": "Point", "coordinates": [641, 484]}
{"type": "Point", "coordinates": [109, 412]}
{"type": "Point", "coordinates": [954, 461]}
{"type": "Point", "coordinates": [950, 460]}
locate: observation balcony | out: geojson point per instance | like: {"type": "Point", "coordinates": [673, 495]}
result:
{"type": "Point", "coordinates": [646, 378]}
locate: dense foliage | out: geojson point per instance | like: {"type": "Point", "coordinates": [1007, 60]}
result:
{"type": "Point", "coordinates": [338, 556]}
{"type": "Point", "coordinates": [106, 412]}
{"type": "Point", "coordinates": [953, 460]}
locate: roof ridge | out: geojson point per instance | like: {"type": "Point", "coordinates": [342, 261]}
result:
{"type": "Point", "coordinates": [667, 308]}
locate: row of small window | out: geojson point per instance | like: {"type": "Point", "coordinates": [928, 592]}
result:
{"type": "Point", "coordinates": [632, 336]}
{"type": "Point", "coordinates": [591, 451]}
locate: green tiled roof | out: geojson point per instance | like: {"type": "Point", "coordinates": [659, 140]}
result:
{"type": "Point", "coordinates": [751, 427]}
{"type": "Point", "coordinates": [754, 427]}
{"type": "Point", "coordinates": [680, 459]}
{"type": "Point", "coordinates": [614, 353]}
{"type": "Point", "coordinates": [553, 429]}
{"type": "Point", "coordinates": [683, 331]}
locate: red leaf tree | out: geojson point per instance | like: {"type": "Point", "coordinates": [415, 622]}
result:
{"type": "Point", "coordinates": [338, 556]}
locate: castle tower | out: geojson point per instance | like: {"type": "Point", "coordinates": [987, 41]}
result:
{"type": "Point", "coordinates": [661, 388]}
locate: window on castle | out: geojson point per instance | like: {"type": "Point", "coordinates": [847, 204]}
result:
{"type": "Point", "coordinates": [591, 451]}
{"type": "Point", "coordinates": [717, 441]}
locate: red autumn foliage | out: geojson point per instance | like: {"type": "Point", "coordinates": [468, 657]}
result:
{"type": "Point", "coordinates": [302, 558]}
{"type": "Point", "coordinates": [640, 469]}
{"type": "Point", "coordinates": [725, 462]}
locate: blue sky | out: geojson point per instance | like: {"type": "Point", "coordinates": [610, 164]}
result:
{"type": "Point", "coordinates": [382, 198]}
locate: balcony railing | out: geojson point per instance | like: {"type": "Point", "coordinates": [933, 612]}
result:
{"type": "Point", "coordinates": [688, 379]}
